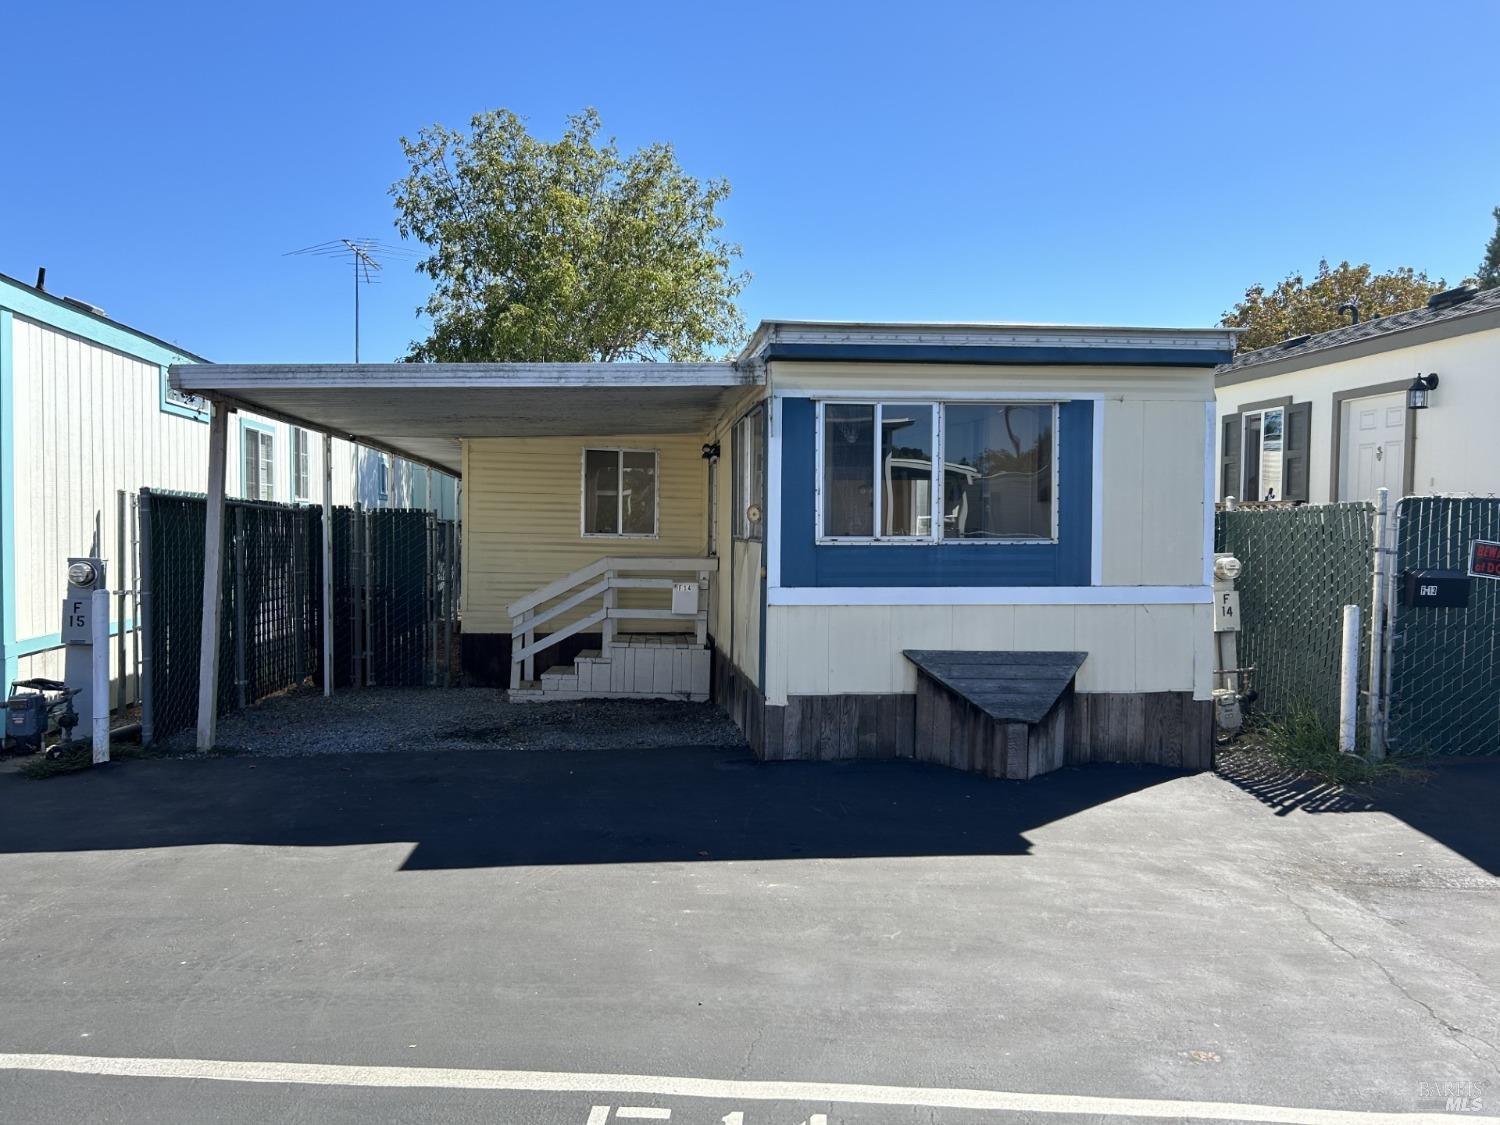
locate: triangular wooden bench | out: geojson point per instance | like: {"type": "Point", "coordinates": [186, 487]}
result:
{"type": "Point", "coordinates": [1002, 714]}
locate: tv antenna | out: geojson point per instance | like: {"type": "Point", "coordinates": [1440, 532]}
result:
{"type": "Point", "coordinates": [363, 255]}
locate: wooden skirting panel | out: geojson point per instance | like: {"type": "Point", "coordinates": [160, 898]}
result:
{"type": "Point", "coordinates": [1161, 728]}
{"type": "Point", "coordinates": [741, 700]}
{"type": "Point", "coordinates": [826, 728]}
{"type": "Point", "coordinates": [1155, 728]}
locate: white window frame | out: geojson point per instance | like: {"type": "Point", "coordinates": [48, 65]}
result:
{"type": "Point", "coordinates": [744, 483]}
{"type": "Point", "coordinates": [1261, 450]}
{"type": "Point", "coordinates": [301, 482]}
{"type": "Point", "coordinates": [619, 451]}
{"type": "Point", "coordinates": [939, 457]}
{"type": "Point", "coordinates": [253, 433]}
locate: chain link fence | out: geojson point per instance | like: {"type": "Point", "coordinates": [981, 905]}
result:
{"type": "Point", "coordinates": [1445, 663]}
{"type": "Point", "coordinates": [395, 602]}
{"type": "Point", "coordinates": [1302, 566]}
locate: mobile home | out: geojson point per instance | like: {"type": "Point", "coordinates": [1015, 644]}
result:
{"type": "Point", "coordinates": [984, 545]}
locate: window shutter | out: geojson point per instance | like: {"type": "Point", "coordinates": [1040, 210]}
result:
{"type": "Point", "coordinates": [1229, 457]}
{"type": "Point", "coordinates": [1296, 445]}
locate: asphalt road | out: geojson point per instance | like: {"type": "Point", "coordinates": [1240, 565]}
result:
{"type": "Point", "coordinates": [447, 920]}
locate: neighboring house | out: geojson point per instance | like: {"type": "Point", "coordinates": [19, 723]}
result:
{"type": "Point", "coordinates": [86, 411]}
{"type": "Point", "coordinates": [998, 497]}
{"type": "Point", "coordinates": [1324, 418]}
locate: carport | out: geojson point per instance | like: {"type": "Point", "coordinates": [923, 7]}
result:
{"type": "Point", "coordinates": [425, 413]}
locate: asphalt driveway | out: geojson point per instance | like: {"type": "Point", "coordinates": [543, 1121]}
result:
{"type": "Point", "coordinates": [1114, 932]}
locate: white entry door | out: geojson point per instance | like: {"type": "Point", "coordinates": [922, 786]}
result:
{"type": "Point", "coordinates": [1374, 446]}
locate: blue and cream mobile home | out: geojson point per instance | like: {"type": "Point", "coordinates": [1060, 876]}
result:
{"type": "Point", "coordinates": [984, 545]}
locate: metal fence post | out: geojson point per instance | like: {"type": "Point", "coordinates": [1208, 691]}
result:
{"type": "Point", "coordinates": [120, 590]}
{"type": "Point", "coordinates": [450, 600]}
{"type": "Point", "coordinates": [1392, 609]}
{"type": "Point", "coordinates": [241, 690]}
{"type": "Point", "coordinates": [144, 623]}
{"type": "Point", "coordinates": [1380, 555]}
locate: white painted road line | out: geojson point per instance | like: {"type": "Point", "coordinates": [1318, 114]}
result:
{"type": "Point", "coordinates": [557, 1082]}
{"type": "Point", "coordinates": [644, 1113]}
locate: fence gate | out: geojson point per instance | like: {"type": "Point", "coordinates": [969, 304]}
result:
{"type": "Point", "coordinates": [1302, 565]}
{"type": "Point", "coordinates": [1445, 663]}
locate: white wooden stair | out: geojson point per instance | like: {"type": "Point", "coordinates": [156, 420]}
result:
{"type": "Point", "coordinates": [661, 665]}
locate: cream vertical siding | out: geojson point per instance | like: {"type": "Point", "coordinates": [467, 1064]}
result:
{"type": "Point", "coordinates": [836, 650]}
{"type": "Point", "coordinates": [88, 422]}
{"type": "Point", "coordinates": [522, 501]}
{"type": "Point", "coordinates": [1454, 436]}
{"type": "Point", "coordinates": [1154, 501]}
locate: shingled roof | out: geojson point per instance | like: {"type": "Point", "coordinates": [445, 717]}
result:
{"type": "Point", "coordinates": [1487, 300]}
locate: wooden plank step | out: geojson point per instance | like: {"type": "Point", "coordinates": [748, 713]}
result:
{"type": "Point", "coordinates": [1009, 687]}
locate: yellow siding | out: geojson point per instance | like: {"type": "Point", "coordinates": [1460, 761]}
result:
{"type": "Point", "coordinates": [820, 650]}
{"type": "Point", "coordinates": [522, 499]}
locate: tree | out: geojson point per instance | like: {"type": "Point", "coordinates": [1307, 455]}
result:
{"type": "Point", "coordinates": [565, 250]}
{"type": "Point", "coordinates": [1296, 306]}
{"type": "Point", "coordinates": [1489, 269]}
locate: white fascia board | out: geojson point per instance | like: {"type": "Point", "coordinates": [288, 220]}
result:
{"type": "Point", "coordinates": [988, 595]}
{"type": "Point", "coordinates": [208, 378]}
{"type": "Point", "coordinates": [990, 335]}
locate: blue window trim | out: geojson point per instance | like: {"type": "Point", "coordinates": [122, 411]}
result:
{"type": "Point", "coordinates": [1066, 562]}
{"type": "Point", "coordinates": [169, 407]}
{"type": "Point", "coordinates": [8, 654]}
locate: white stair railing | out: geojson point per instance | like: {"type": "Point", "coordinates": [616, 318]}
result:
{"type": "Point", "coordinates": [601, 579]}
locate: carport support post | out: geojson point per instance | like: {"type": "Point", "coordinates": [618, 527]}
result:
{"type": "Point", "coordinates": [327, 564]}
{"type": "Point", "coordinates": [213, 579]}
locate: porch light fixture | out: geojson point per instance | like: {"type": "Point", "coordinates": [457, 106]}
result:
{"type": "Point", "coordinates": [1420, 390]}
{"type": "Point", "coordinates": [711, 451]}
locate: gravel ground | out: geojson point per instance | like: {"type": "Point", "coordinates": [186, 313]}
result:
{"type": "Point", "coordinates": [389, 720]}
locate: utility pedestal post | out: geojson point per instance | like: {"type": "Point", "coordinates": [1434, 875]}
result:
{"type": "Point", "coordinates": [85, 632]}
{"type": "Point", "coordinates": [213, 579]}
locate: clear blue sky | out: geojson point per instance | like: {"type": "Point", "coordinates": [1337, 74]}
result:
{"type": "Point", "coordinates": [1094, 163]}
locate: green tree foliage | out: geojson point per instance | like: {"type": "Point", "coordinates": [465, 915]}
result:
{"type": "Point", "coordinates": [1489, 270]}
{"type": "Point", "coordinates": [1298, 306]}
{"type": "Point", "coordinates": [566, 250]}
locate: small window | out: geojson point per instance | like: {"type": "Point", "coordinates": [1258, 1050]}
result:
{"type": "Point", "coordinates": [1263, 440]}
{"type": "Point", "coordinates": [877, 476]}
{"type": "Point", "coordinates": [260, 464]}
{"type": "Point", "coordinates": [300, 463]}
{"type": "Point", "coordinates": [383, 478]}
{"type": "Point", "coordinates": [750, 475]}
{"type": "Point", "coordinates": [619, 492]}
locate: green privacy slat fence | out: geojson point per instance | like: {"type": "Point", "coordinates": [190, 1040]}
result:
{"type": "Point", "coordinates": [1445, 673]}
{"type": "Point", "coordinates": [394, 600]}
{"type": "Point", "coordinates": [1301, 567]}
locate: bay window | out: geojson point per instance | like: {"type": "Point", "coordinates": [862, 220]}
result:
{"type": "Point", "coordinates": [878, 478]}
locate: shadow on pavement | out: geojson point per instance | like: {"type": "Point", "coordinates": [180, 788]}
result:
{"type": "Point", "coordinates": [507, 808]}
{"type": "Point", "coordinates": [1455, 801]}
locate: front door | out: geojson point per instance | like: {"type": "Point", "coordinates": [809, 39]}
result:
{"type": "Point", "coordinates": [1374, 446]}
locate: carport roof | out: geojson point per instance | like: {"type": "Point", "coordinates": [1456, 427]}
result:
{"type": "Point", "coordinates": [421, 411]}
